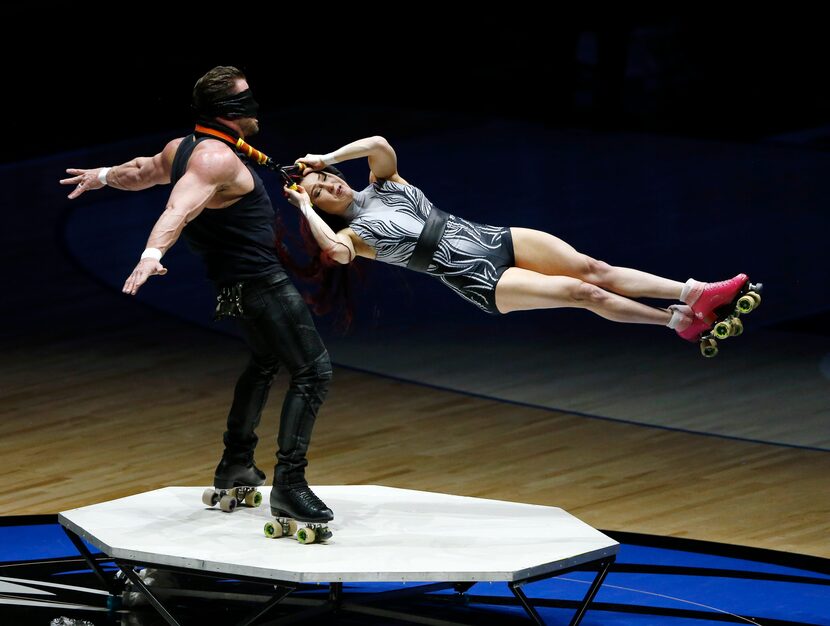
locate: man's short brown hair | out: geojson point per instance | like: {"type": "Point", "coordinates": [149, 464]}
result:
{"type": "Point", "coordinates": [217, 83]}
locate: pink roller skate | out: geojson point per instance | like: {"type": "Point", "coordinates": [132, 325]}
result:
{"type": "Point", "coordinates": [718, 306]}
{"type": "Point", "coordinates": [694, 328]}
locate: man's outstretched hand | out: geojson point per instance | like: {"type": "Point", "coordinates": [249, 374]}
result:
{"type": "Point", "coordinates": [143, 271]}
{"type": "Point", "coordinates": [84, 180]}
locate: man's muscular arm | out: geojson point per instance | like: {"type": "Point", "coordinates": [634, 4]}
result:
{"type": "Point", "coordinates": [134, 175]}
{"type": "Point", "coordinates": [211, 169]}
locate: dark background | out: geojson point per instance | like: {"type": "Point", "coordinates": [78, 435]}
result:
{"type": "Point", "coordinates": [685, 144]}
{"type": "Point", "coordinates": [89, 77]}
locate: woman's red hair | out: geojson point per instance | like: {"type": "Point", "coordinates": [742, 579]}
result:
{"type": "Point", "coordinates": [328, 281]}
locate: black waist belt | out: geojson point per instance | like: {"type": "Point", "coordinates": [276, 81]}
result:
{"type": "Point", "coordinates": [428, 240]}
{"type": "Point", "coordinates": [263, 281]}
{"type": "Point", "coordinates": [229, 298]}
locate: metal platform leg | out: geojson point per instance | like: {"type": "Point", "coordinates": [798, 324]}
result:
{"type": "Point", "coordinates": [515, 586]}
{"type": "Point", "coordinates": [129, 572]}
{"type": "Point", "coordinates": [604, 567]}
{"type": "Point", "coordinates": [107, 582]}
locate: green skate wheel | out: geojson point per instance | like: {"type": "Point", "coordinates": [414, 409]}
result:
{"type": "Point", "coordinates": [709, 348]}
{"type": "Point", "coordinates": [272, 530]}
{"type": "Point", "coordinates": [253, 499]}
{"type": "Point", "coordinates": [292, 526]}
{"type": "Point", "coordinates": [723, 329]}
{"type": "Point", "coordinates": [746, 303]}
{"type": "Point", "coordinates": [737, 327]}
{"type": "Point", "coordinates": [306, 535]}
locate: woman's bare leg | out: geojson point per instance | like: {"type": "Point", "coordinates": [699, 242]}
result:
{"type": "Point", "coordinates": [545, 254]}
{"type": "Point", "coordinates": [520, 289]}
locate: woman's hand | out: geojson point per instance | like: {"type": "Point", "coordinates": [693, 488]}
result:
{"type": "Point", "coordinates": [312, 161]}
{"type": "Point", "coordinates": [296, 195]}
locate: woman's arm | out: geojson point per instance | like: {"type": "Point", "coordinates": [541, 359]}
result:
{"type": "Point", "coordinates": [382, 158]}
{"type": "Point", "coordinates": [337, 246]}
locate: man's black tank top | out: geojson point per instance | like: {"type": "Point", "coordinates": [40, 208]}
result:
{"type": "Point", "coordinates": [237, 243]}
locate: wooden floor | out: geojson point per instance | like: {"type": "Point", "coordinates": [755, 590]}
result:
{"type": "Point", "coordinates": [109, 413]}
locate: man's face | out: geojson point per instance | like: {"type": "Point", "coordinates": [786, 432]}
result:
{"type": "Point", "coordinates": [249, 125]}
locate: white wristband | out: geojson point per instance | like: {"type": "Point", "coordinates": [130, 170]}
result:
{"type": "Point", "coordinates": [102, 175]}
{"type": "Point", "coordinates": [151, 253]}
{"type": "Point", "coordinates": [328, 159]}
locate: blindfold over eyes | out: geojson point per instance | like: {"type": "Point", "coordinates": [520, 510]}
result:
{"type": "Point", "coordinates": [238, 105]}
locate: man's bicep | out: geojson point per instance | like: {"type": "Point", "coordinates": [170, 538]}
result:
{"type": "Point", "coordinates": [158, 169]}
{"type": "Point", "coordinates": [153, 171]}
{"type": "Point", "coordinates": [163, 162]}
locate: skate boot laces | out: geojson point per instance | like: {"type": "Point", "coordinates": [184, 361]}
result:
{"type": "Point", "coordinates": [308, 498]}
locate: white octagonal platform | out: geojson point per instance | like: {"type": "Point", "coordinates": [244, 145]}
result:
{"type": "Point", "coordinates": [381, 534]}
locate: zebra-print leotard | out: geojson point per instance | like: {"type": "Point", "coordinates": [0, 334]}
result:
{"type": "Point", "coordinates": [470, 258]}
